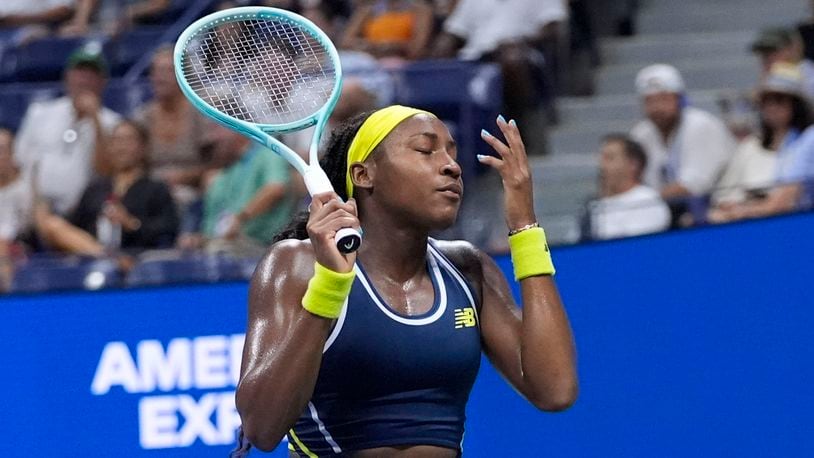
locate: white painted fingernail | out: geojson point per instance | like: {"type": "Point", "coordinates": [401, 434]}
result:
{"type": "Point", "coordinates": [500, 118]}
{"type": "Point", "coordinates": [481, 157]}
{"type": "Point", "coordinates": [512, 122]}
{"type": "Point", "coordinates": [484, 133]}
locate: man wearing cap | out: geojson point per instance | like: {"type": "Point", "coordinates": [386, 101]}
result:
{"type": "Point", "coordinates": [687, 148]}
{"type": "Point", "coordinates": [59, 139]}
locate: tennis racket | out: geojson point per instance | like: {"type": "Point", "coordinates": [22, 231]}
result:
{"type": "Point", "coordinates": [262, 71]}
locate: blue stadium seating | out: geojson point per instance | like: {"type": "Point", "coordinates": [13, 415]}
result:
{"type": "Point", "coordinates": [193, 268]}
{"type": "Point", "coordinates": [16, 98]}
{"type": "Point", "coordinates": [130, 46]}
{"type": "Point", "coordinates": [43, 59]}
{"type": "Point", "coordinates": [48, 273]}
{"type": "Point", "coordinates": [120, 96]}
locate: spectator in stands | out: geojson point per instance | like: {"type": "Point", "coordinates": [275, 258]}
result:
{"type": "Point", "coordinates": [398, 29]}
{"type": "Point", "coordinates": [512, 33]}
{"type": "Point", "coordinates": [687, 148]}
{"type": "Point", "coordinates": [58, 140]}
{"type": "Point", "coordinates": [355, 98]}
{"type": "Point", "coordinates": [16, 13]}
{"type": "Point", "coordinates": [626, 207]}
{"type": "Point", "coordinates": [126, 211]}
{"type": "Point", "coordinates": [794, 174]}
{"type": "Point", "coordinates": [15, 206]}
{"type": "Point", "coordinates": [22, 21]}
{"type": "Point", "coordinates": [355, 63]}
{"type": "Point", "coordinates": [113, 16]}
{"type": "Point", "coordinates": [19, 13]}
{"type": "Point", "coordinates": [247, 202]}
{"type": "Point", "coordinates": [176, 131]}
{"type": "Point", "coordinates": [784, 115]}
{"type": "Point", "coordinates": [780, 44]}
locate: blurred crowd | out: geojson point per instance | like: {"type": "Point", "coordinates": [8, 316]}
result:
{"type": "Point", "coordinates": [682, 166]}
{"type": "Point", "coordinates": [79, 178]}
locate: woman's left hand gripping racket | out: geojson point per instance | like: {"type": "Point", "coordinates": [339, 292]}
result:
{"type": "Point", "coordinates": [263, 71]}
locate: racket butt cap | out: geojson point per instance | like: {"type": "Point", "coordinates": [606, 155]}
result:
{"type": "Point", "coordinates": [348, 240]}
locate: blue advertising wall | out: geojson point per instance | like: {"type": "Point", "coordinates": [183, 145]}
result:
{"type": "Point", "coordinates": [692, 343]}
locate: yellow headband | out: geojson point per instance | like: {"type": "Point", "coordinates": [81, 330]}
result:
{"type": "Point", "coordinates": [372, 132]}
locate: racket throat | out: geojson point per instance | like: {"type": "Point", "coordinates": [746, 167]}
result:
{"type": "Point", "coordinates": [316, 181]}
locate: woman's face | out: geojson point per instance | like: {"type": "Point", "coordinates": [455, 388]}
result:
{"type": "Point", "coordinates": [418, 173]}
{"type": "Point", "coordinates": [777, 110]}
{"type": "Point", "coordinates": [126, 147]}
{"type": "Point", "coordinates": [162, 75]}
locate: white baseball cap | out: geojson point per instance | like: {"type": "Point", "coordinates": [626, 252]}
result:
{"type": "Point", "coordinates": [658, 78]}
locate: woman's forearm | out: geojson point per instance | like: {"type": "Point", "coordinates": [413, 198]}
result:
{"type": "Point", "coordinates": [547, 346]}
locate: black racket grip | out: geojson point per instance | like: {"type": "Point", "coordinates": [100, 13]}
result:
{"type": "Point", "coordinates": [348, 240]}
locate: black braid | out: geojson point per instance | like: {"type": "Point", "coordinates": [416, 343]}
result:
{"type": "Point", "coordinates": [334, 163]}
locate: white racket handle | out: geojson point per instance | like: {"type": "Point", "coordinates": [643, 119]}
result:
{"type": "Point", "coordinates": [347, 239]}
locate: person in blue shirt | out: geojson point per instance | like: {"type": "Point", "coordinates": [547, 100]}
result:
{"type": "Point", "coordinates": [374, 353]}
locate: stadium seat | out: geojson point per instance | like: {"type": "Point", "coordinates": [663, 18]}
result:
{"type": "Point", "coordinates": [16, 98]}
{"type": "Point", "coordinates": [45, 273]}
{"type": "Point", "coordinates": [197, 268]}
{"type": "Point", "coordinates": [41, 60]}
{"type": "Point", "coordinates": [130, 46]}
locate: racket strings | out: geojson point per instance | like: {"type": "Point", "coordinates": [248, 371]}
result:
{"type": "Point", "coordinates": [260, 71]}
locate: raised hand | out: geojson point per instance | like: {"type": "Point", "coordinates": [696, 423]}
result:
{"type": "Point", "coordinates": [328, 214]}
{"type": "Point", "coordinates": [513, 166]}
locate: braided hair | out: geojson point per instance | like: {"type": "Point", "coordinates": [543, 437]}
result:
{"type": "Point", "coordinates": [335, 163]}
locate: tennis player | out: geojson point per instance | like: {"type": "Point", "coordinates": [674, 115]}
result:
{"type": "Point", "coordinates": [374, 353]}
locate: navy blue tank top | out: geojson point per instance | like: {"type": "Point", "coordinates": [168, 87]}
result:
{"type": "Point", "coordinates": [387, 379]}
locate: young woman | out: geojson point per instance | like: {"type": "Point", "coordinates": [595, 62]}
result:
{"type": "Point", "coordinates": [753, 184]}
{"type": "Point", "coordinates": [390, 29]}
{"type": "Point", "coordinates": [126, 211]}
{"type": "Point", "coordinates": [374, 353]}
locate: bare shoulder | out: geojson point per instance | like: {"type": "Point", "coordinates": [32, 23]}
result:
{"type": "Point", "coordinates": [286, 261]}
{"type": "Point", "coordinates": [465, 256]}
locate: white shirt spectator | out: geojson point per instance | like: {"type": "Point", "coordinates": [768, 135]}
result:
{"type": "Point", "coordinates": [484, 25]}
{"type": "Point", "coordinates": [752, 168]}
{"type": "Point", "coordinates": [638, 211]}
{"type": "Point", "coordinates": [62, 149]}
{"type": "Point", "coordinates": [694, 156]}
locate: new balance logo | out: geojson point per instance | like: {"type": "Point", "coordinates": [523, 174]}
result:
{"type": "Point", "coordinates": [464, 318]}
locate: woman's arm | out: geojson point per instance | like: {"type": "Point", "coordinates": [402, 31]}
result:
{"type": "Point", "coordinates": [352, 38]}
{"type": "Point", "coordinates": [283, 350]}
{"type": "Point", "coordinates": [417, 48]}
{"type": "Point", "coordinates": [533, 348]}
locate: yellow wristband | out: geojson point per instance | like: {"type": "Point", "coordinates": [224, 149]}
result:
{"type": "Point", "coordinates": [327, 291]}
{"type": "Point", "coordinates": [530, 255]}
